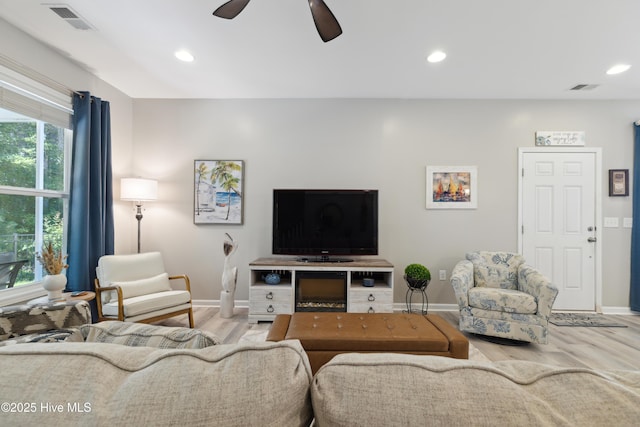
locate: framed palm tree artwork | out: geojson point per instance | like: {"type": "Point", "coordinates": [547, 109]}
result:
{"type": "Point", "coordinates": [218, 191]}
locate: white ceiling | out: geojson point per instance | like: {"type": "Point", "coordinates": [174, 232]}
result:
{"type": "Point", "coordinates": [523, 49]}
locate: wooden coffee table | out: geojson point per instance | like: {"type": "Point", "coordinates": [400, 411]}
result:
{"type": "Point", "coordinates": [323, 335]}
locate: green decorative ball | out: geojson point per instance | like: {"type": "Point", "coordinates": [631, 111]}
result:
{"type": "Point", "coordinates": [417, 271]}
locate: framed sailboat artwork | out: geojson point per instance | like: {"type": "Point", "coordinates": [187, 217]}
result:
{"type": "Point", "coordinates": [452, 187]}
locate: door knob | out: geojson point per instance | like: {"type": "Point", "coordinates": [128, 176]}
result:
{"type": "Point", "coordinates": [592, 240]}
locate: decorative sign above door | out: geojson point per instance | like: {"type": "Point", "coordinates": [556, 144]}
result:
{"type": "Point", "coordinates": [563, 138]}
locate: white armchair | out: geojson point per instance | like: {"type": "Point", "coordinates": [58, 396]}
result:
{"type": "Point", "coordinates": [136, 288]}
{"type": "Point", "coordinates": [500, 296]}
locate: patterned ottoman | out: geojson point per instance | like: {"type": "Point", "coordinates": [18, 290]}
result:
{"type": "Point", "coordinates": [324, 335]}
{"type": "Point", "coordinates": [49, 322]}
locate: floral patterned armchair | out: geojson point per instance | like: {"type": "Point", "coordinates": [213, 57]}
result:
{"type": "Point", "coordinates": [500, 296]}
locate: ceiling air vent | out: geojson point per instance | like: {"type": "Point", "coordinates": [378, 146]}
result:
{"type": "Point", "coordinates": [65, 12]}
{"type": "Point", "coordinates": [584, 87]}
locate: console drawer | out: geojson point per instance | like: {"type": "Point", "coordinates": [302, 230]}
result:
{"type": "Point", "coordinates": [270, 300]}
{"type": "Point", "coordinates": [370, 295]}
{"type": "Point", "coordinates": [376, 300]}
{"type": "Point", "coordinates": [371, 308]}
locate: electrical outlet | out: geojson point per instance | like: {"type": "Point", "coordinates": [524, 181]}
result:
{"type": "Point", "coordinates": [443, 274]}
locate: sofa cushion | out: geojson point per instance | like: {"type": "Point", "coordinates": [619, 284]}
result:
{"type": "Point", "coordinates": [134, 288]}
{"type": "Point", "coordinates": [495, 269]}
{"type": "Point", "coordinates": [147, 303]}
{"type": "Point", "coordinates": [264, 384]}
{"type": "Point", "coordinates": [399, 389]}
{"type": "Point", "coordinates": [507, 300]}
{"type": "Point", "coordinates": [55, 335]}
{"type": "Point", "coordinates": [140, 334]}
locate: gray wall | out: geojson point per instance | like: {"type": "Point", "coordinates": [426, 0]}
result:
{"type": "Point", "coordinates": [32, 54]}
{"type": "Point", "coordinates": [382, 144]}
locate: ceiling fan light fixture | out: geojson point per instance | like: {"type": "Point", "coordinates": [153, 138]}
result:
{"type": "Point", "coordinates": [184, 55]}
{"type": "Point", "coordinates": [230, 9]}
{"type": "Point", "coordinates": [326, 23]}
{"type": "Point", "coordinates": [436, 56]}
{"type": "Point", "coordinates": [617, 69]}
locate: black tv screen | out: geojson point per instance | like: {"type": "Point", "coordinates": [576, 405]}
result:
{"type": "Point", "coordinates": [325, 222]}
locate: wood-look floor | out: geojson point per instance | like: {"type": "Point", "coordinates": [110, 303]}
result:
{"type": "Point", "coordinates": [598, 348]}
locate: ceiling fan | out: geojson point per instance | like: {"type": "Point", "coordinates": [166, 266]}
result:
{"type": "Point", "coordinates": [326, 24]}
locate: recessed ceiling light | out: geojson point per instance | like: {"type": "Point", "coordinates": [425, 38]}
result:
{"type": "Point", "coordinates": [617, 69]}
{"type": "Point", "coordinates": [184, 55]}
{"type": "Point", "coordinates": [436, 56]}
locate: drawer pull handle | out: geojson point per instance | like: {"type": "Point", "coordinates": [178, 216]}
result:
{"type": "Point", "coordinates": [371, 297]}
{"type": "Point", "coordinates": [270, 295]}
{"type": "Point", "coordinates": [371, 310]}
{"type": "Point", "coordinates": [270, 309]}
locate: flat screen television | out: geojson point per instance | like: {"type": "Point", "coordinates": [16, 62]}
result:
{"type": "Point", "coordinates": [325, 223]}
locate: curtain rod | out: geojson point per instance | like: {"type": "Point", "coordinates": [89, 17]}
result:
{"type": "Point", "coordinates": [36, 76]}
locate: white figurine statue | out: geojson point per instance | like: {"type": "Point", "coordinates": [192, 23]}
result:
{"type": "Point", "coordinates": [229, 278]}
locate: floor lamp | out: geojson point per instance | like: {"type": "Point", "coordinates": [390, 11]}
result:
{"type": "Point", "coordinates": [138, 190]}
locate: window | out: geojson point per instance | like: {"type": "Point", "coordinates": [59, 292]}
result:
{"type": "Point", "coordinates": [35, 160]}
{"type": "Point", "coordinates": [33, 190]}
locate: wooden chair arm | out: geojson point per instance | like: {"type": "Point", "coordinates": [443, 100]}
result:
{"type": "Point", "coordinates": [100, 290]}
{"type": "Point", "coordinates": [184, 277]}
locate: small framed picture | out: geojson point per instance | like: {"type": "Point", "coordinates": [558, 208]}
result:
{"type": "Point", "coordinates": [452, 187]}
{"type": "Point", "coordinates": [618, 182]}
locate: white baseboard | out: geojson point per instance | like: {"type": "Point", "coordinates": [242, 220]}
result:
{"type": "Point", "coordinates": [216, 303]}
{"type": "Point", "coordinates": [399, 307]}
{"type": "Point", "coordinates": [396, 307]}
{"type": "Point", "coordinates": [619, 311]}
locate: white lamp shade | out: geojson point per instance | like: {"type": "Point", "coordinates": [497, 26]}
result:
{"type": "Point", "coordinates": [138, 189]}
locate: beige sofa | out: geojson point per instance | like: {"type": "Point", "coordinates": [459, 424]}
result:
{"type": "Point", "coordinates": [398, 389]}
{"type": "Point", "coordinates": [270, 384]}
{"type": "Point", "coordinates": [105, 384]}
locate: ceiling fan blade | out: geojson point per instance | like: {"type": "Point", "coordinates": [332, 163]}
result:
{"type": "Point", "coordinates": [326, 24]}
{"type": "Point", "coordinates": [230, 9]}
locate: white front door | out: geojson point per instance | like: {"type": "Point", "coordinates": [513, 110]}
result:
{"type": "Point", "coordinates": [558, 222]}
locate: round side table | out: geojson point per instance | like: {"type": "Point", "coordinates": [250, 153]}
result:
{"type": "Point", "coordinates": [66, 296]}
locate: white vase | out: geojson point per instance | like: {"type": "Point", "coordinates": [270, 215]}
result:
{"type": "Point", "coordinates": [54, 284]}
{"type": "Point", "coordinates": [229, 279]}
{"type": "Point", "coordinates": [226, 304]}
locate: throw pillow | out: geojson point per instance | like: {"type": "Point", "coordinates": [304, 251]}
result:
{"type": "Point", "coordinates": [143, 335]}
{"type": "Point", "coordinates": [134, 288]}
{"type": "Point", "coordinates": [56, 335]}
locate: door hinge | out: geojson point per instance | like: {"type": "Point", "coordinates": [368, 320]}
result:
{"type": "Point", "coordinates": [523, 172]}
{"type": "Point", "coordinates": [522, 230]}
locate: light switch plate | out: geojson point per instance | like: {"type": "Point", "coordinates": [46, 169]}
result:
{"type": "Point", "coordinates": [627, 222]}
{"type": "Point", "coordinates": [611, 222]}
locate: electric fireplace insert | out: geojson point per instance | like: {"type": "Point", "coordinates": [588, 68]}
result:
{"type": "Point", "coordinates": [321, 291]}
